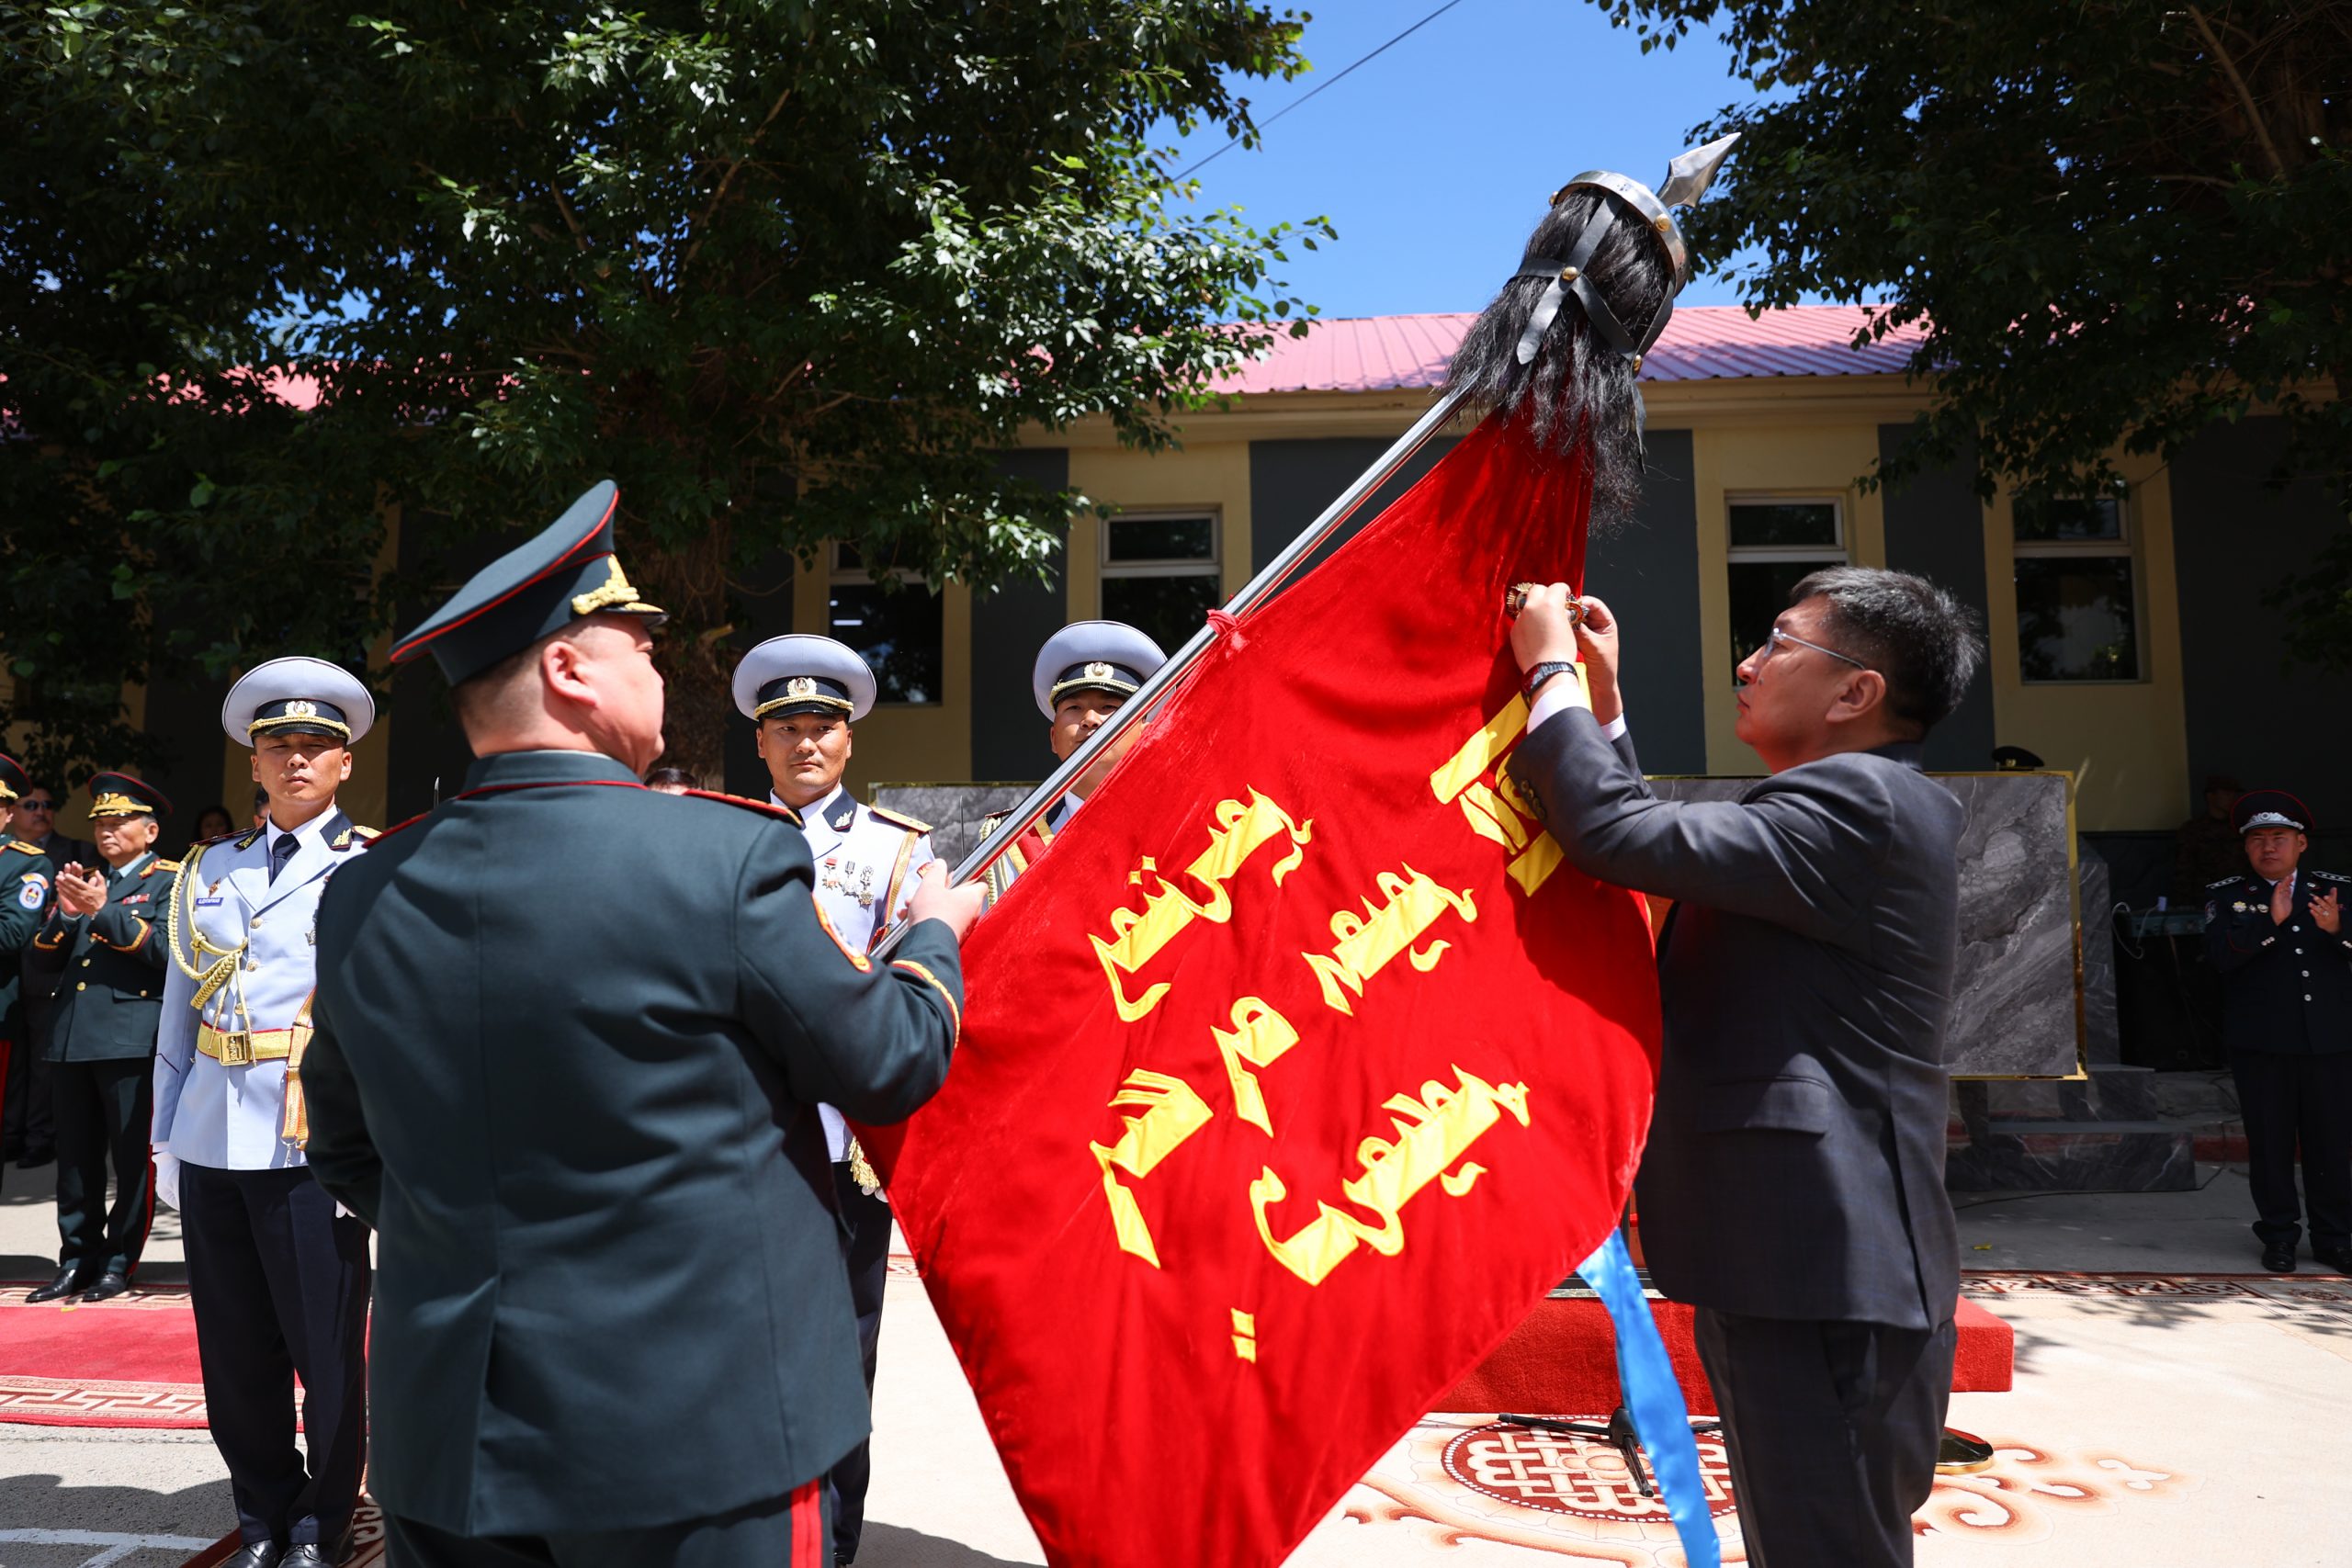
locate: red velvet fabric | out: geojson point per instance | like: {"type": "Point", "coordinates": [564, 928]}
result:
{"type": "Point", "coordinates": [1214, 1405]}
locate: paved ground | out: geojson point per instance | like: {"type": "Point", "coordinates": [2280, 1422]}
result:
{"type": "Point", "coordinates": [2181, 1425]}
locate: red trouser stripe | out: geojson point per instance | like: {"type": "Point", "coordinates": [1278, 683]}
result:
{"type": "Point", "coordinates": [808, 1525]}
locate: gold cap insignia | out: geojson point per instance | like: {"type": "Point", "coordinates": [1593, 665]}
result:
{"type": "Point", "coordinates": [301, 709]}
{"type": "Point", "coordinates": [1097, 671]}
{"type": "Point", "coordinates": [799, 686]}
{"type": "Point", "coordinates": [115, 805]}
{"type": "Point", "coordinates": [615, 593]}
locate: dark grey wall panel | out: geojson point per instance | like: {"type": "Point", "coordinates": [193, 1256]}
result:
{"type": "Point", "coordinates": [428, 750]}
{"type": "Point", "coordinates": [2250, 713]}
{"type": "Point", "coordinates": [1008, 628]}
{"type": "Point", "coordinates": [1648, 571]}
{"type": "Point", "coordinates": [1935, 529]}
{"type": "Point", "coordinates": [1292, 481]}
{"type": "Point", "coordinates": [763, 610]}
{"type": "Point", "coordinates": [183, 717]}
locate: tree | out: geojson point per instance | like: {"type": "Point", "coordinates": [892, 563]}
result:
{"type": "Point", "coordinates": [788, 270]}
{"type": "Point", "coordinates": [2116, 221]}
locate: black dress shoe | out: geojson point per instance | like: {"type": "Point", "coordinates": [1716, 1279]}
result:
{"type": "Point", "coordinates": [254, 1554]}
{"type": "Point", "coordinates": [110, 1285]}
{"type": "Point", "coordinates": [308, 1555]}
{"type": "Point", "coordinates": [2338, 1258]}
{"type": "Point", "coordinates": [2279, 1259]}
{"type": "Point", "coordinates": [68, 1280]}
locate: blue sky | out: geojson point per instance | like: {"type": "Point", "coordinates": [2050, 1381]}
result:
{"type": "Point", "coordinates": [1435, 160]}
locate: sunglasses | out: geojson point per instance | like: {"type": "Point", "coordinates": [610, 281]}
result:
{"type": "Point", "coordinates": [34, 803]}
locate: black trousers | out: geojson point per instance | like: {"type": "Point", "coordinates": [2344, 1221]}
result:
{"type": "Point", "coordinates": [27, 1121]}
{"type": "Point", "coordinates": [867, 1253]}
{"type": "Point", "coordinates": [786, 1532]}
{"type": "Point", "coordinates": [1831, 1429]}
{"type": "Point", "coordinates": [103, 1109]}
{"type": "Point", "coordinates": [280, 1284]}
{"type": "Point", "coordinates": [2290, 1101]}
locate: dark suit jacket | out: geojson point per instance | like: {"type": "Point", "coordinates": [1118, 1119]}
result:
{"type": "Point", "coordinates": [571, 1043]}
{"type": "Point", "coordinates": [112, 997]}
{"type": "Point", "coordinates": [1795, 1162]}
{"type": "Point", "coordinates": [2284, 987]}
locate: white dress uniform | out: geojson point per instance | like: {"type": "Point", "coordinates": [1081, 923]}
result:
{"type": "Point", "coordinates": [867, 861]}
{"type": "Point", "coordinates": [278, 1276]}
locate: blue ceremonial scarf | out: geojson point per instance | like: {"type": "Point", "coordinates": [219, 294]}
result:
{"type": "Point", "coordinates": [1654, 1398]}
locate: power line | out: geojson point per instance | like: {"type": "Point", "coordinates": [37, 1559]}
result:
{"type": "Point", "coordinates": [1334, 82]}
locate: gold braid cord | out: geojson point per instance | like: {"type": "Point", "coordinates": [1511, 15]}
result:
{"type": "Point", "coordinates": [861, 1170]}
{"type": "Point", "coordinates": [222, 961]}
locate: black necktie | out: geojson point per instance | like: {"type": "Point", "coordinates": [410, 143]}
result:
{"type": "Point", "coordinates": [280, 852]}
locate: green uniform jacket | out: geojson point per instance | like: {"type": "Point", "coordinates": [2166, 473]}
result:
{"type": "Point", "coordinates": [572, 1038]}
{"type": "Point", "coordinates": [111, 997]}
{"type": "Point", "coordinates": [27, 884]}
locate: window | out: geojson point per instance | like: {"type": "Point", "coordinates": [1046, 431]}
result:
{"type": "Point", "coordinates": [896, 630]}
{"type": "Point", "coordinates": [1161, 573]}
{"type": "Point", "coordinates": [2076, 610]}
{"type": "Point", "coordinates": [1776, 543]}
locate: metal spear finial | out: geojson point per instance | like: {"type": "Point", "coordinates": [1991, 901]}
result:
{"type": "Point", "coordinates": [1687, 176]}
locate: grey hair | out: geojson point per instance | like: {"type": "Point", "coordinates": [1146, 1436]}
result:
{"type": "Point", "coordinates": [1921, 638]}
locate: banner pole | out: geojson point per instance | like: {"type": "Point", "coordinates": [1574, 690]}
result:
{"type": "Point", "coordinates": [1254, 592]}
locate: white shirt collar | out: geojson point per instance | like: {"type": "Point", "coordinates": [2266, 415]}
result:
{"type": "Point", "coordinates": [822, 807]}
{"type": "Point", "coordinates": [308, 833]}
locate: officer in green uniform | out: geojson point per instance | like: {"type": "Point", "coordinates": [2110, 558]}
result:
{"type": "Point", "coordinates": [579, 1107]}
{"type": "Point", "coordinates": [105, 928]}
{"type": "Point", "coordinates": [25, 876]}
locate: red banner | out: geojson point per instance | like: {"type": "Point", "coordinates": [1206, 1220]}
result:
{"type": "Point", "coordinates": [1298, 1068]}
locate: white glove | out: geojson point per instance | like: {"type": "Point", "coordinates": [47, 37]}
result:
{"type": "Point", "coordinates": [167, 1177]}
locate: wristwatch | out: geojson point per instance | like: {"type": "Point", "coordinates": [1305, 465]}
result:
{"type": "Point", "coordinates": [1542, 673]}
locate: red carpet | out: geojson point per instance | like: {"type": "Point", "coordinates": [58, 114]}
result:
{"type": "Point", "coordinates": [1563, 1357]}
{"type": "Point", "coordinates": [127, 1362]}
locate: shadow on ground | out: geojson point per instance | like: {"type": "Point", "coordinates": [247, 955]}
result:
{"type": "Point", "coordinates": [895, 1546]}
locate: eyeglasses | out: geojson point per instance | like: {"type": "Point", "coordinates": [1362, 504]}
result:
{"type": "Point", "coordinates": [34, 803]}
{"type": "Point", "coordinates": [1780, 639]}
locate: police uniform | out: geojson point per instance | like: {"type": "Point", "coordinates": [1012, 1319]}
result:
{"type": "Point", "coordinates": [101, 1047]}
{"type": "Point", "coordinates": [279, 1276]}
{"type": "Point", "coordinates": [2287, 1019]}
{"type": "Point", "coordinates": [1085, 656]}
{"type": "Point", "coordinates": [613, 1325]}
{"type": "Point", "coordinates": [867, 861]}
{"type": "Point", "coordinates": [26, 876]}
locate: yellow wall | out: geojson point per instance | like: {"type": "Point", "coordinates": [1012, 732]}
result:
{"type": "Point", "coordinates": [2127, 742]}
{"type": "Point", "coordinates": [1763, 460]}
{"type": "Point", "coordinates": [1204, 474]}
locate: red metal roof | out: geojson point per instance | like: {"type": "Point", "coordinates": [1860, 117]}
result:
{"type": "Point", "coordinates": [1376, 353]}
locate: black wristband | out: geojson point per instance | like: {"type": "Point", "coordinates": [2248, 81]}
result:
{"type": "Point", "coordinates": [1542, 673]}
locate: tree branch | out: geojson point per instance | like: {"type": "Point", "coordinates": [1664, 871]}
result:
{"type": "Point", "coordinates": [702, 224]}
{"type": "Point", "coordinates": [2246, 96]}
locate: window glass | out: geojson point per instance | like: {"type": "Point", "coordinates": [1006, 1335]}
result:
{"type": "Point", "coordinates": [1169, 610]}
{"type": "Point", "coordinates": [1760, 591]}
{"type": "Point", "coordinates": [2074, 618]}
{"type": "Point", "coordinates": [2055, 519]}
{"type": "Point", "coordinates": [1162, 539]}
{"type": "Point", "coordinates": [899, 633]}
{"type": "Point", "coordinates": [1779, 525]}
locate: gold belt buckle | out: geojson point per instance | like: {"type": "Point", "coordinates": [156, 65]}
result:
{"type": "Point", "coordinates": [236, 1050]}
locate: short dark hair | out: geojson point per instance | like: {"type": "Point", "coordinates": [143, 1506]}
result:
{"type": "Point", "coordinates": [1921, 638]}
{"type": "Point", "coordinates": [261, 799]}
{"type": "Point", "coordinates": [676, 777]}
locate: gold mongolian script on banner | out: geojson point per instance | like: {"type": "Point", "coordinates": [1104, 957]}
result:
{"type": "Point", "coordinates": [1139, 936]}
{"type": "Point", "coordinates": [1498, 811]}
{"type": "Point", "coordinates": [1370, 942]}
{"type": "Point", "coordinates": [1171, 1113]}
{"type": "Point", "coordinates": [1434, 1131]}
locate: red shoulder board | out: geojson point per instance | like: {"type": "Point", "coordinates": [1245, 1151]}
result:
{"type": "Point", "coordinates": [748, 804]}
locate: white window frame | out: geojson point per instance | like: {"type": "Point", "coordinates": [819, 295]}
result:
{"type": "Point", "coordinates": [1210, 566]}
{"type": "Point", "coordinates": [1840, 552]}
{"type": "Point", "coordinates": [837, 575]}
{"type": "Point", "coordinates": [2126, 544]}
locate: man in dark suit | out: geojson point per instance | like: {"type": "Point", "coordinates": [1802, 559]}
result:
{"type": "Point", "coordinates": [1792, 1189]}
{"type": "Point", "coordinates": [613, 1325]}
{"type": "Point", "coordinates": [105, 932]}
{"type": "Point", "coordinates": [2277, 936]}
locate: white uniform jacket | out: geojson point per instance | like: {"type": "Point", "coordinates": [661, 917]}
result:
{"type": "Point", "coordinates": [867, 860]}
{"type": "Point", "coordinates": [260, 939]}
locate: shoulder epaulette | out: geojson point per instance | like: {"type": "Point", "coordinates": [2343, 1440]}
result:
{"type": "Point", "coordinates": [246, 841]}
{"type": "Point", "coordinates": [23, 848]}
{"type": "Point", "coordinates": [992, 821]}
{"type": "Point", "coordinates": [899, 819]}
{"type": "Point", "coordinates": [2225, 882]}
{"type": "Point", "coordinates": [158, 863]}
{"type": "Point", "coordinates": [748, 804]}
{"type": "Point", "coordinates": [2332, 876]}
{"type": "Point", "coordinates": [366, 832]}
{"type": "Point", "coordinates": [215, 838]}
{"type": "Point", "coordinates": [343, 841]}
